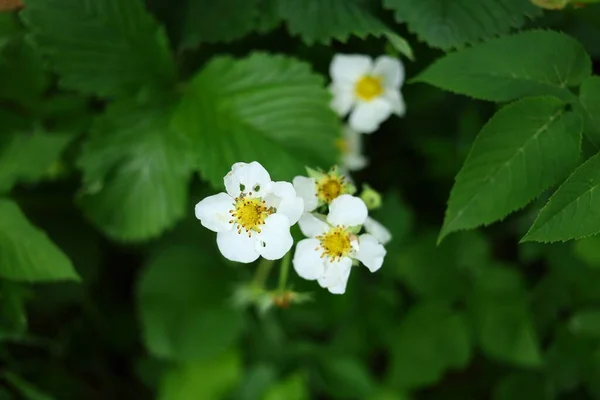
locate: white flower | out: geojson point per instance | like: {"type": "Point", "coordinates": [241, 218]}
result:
{"type": "Point", "coordinates": [350, 145]}
{"type": "Point", "coordinates": [321, 188]}
{"type": "Point", "coordinates": [379, 232]}
{"type": "Point", "coordinates": [254, 217]}
{"type": "Point", "coordinates": [369, 91]}
{"type": "Point", "coordinates": [329, 252]}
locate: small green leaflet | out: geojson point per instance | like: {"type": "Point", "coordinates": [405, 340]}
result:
{"type": "Point", "coordinates": [267, 108]}
{"type": "Point", "coordinates": [447, 24]}
{"type": "Point", "coordinates": [136, 172]}
{"type": "Point", "coordinates": [525, 148]}
{"type": "Point", "coordinates": [26, 253]}
{"type": "Point", "coordinates": [103, 47]}
{"type": "Point", "coordinates": [532, 63]}
{"type": "Point", "coordinates": [571, 212]}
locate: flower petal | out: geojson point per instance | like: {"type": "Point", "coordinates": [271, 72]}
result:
{"type": "Point", "coordinates": [213, 212]}
{"type": "Point", "coordinates": [380, 232]}
{"type": "Point", "coordinates": [370, 252]}
{"type": "Point", "coordinates": [342, 98]}
{"type": "Point", "coordinates": [353, 158]}
{"type": "Point", "coordinates": [307, 260]}
{"type": "Point", "coordinates": [253, 177]}
{"type": "Point", "coordinates": [236, 246]}
{"type": "Point", "coordinates": [347, 210]}
{"type": "Point", "coordinates": [274, 239]}
{"type": "Point", "coordinates": [348, 68]}
{"type": "Point", "coordinates": [232, 183]}
{"type": "Point", "coordinates": [367, 116]}
{"type": "Point", "coordinates": [396, 101]}
{"type": "Point", "coordinates": [311, 226]}
{"type": "Point", "coordinates": [391, 70]}
{"type": "Point", "coordinates": [284, 198]}
{"type": "Point", "coordinates": [307, 189]}
{"type": "Point", "coordinates": [336, 273]}
{"type": "Point", "coordinates": [340, 288]}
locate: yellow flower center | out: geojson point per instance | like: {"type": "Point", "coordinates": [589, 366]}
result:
{"type": "Point", "coordinates": [250, 214]}
{"type": "Point", "coordinates": [336, 243]}
{"type": "Point", "coordinates": [368, 87]}
{"type": "Point", "coordinates": [330, 187]}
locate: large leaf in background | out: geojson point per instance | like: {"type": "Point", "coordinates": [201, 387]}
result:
{"type": "Point", "coordinates": [571, 211]}
{"type": "Point", "coordinates": [183, 298]}
{"type": "Point", "coordinates": [502, 319]}
{"type": "Point", "coordinates": [136, 172]}
{"type": "Point", "coordinates": [13, 316]}
{"type": "Point", "coordinates": [527, 64]}
{"type": "Point", "coordinates": [26, 253]}
{"type": "Point", "coordinates": [102, 47]}
{"type": "Point", "coordinates": [447, 24]}
{"type": "Point", "coordinates": [512, 162]}
{"type": "Point", "coordinates": [267, 108]}
{"type": "Point", "coordinates": [431, 339]}
{"type": "Point", "coordinates": [27, 157]}
{"type": "Point", "coordinates": [323, 20]}
{"type": "Point", "coordinates": [589, 106]}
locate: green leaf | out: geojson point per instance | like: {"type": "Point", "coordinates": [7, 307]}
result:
{"type": "Point", "coordinates": [293, 387]}
{"type": "Point", "coordinates": [209, 379]}
{"type": "Point", "coordinates": [527, 64]}
{"type": "Point", "coordinates": [26, 253]}
{"type": "Point", "coordinates": [431, 339]}
{"type": "Point", "coordinates": [183, 300]}
{"type": "Point", "coordinates": [13, 316]}
{"type": "Point", "coordinates": [567, 360]}
{"type": "Point", "coordinates": [103, 47]}
{"type": "Point", "coordinates": [588, 250]}
{"type": "Point", "coordinates": [28, 157]}
{"type": "Point", "coordinates": [208, 21]}
{"type": "Point", "coordinates": [267, 108]}
{"type": "Point", "coordinates": [26, 389]}
{"type": "Point", "coordinates": [502, 319]}
{"type": "Point", "coordinates": [323, 20]}
{"type": "Point", "coordinates": [136, 173]}
{"type": "Point", "coordinates": [589, 102]}
{"type": "Point", "coordinates": [446, 24]}
{"type": "Point", "coordinates": [346, 377]}
{"type": "Point", "coordinates": [586, 323]}
{"type": "Point", "coordinates": [526, 147]}
{"type": "Point", "coordinates": [524, 386]}
{"type": "Point", "coordinates": [569, 212]}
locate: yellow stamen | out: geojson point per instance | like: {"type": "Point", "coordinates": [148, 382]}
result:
{"type": "Point", "coordinates": [368, 87]}
{"type": "Point", "coordinates": [336, 243]}
{"type": "Point", "coordinates": [250, 214]}
{"type": "Point", "coordinates": [329, 187]}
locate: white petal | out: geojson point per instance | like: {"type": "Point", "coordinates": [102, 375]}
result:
{"type": "Point", "coordinates": [237, 247]}
{"type": "Point", "coordinates": [370, 252]}
{"type": "Point", "coordinates": [307, 260]}
{"type": "Point", "coordinates": [312, 226]}
{"type": "Point", "coordinates": [347, 210]}
{"type": "Point", "coordinates": [251, 176]}
{"type": "Point", "coordinates": [396, 101]}
{"type": "Point", "coordinates": [367, 116]}
{"type": "Point", "coordinates": [342, 98]}
{"type": "Point", "coordinates": [283, 197]}
{"type": "Point", "coordinates": [349, 68]}
{"type": "Point", "coordinates": [340, 288]}
{"type": "Point", "coordinates": [307, 189]}
{"type": "Point", "coordinates": [355, 162]}
{"type": "Point", "coordinates": [232, 184]}
{"type": "Point", "coordinates": [353, 158]}
{"type": "Point", "coordinates": [391, 70]}
{"type": "Point", "coordinates": [213, 212]}
{"type": "Point", "coordinates": [336, 273]}
{"type": "Point", "coordinates": [380, 232]}
{"type": "Point", "coordinates": [274, 239]}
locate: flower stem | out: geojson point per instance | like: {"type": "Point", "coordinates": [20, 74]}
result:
{"type": "Point", "coordinates": [283, 273]}
{"type": "Point", "coordinates": [262, 273]}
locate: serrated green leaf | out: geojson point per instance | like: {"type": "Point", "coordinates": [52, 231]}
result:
{"type": "Point", "coordinates": [26, 253]}
{"type": "Point", "coordinates": [502, 319]}
{"type": "Point", "coordinates": [527, 64]}
{"type": "Point", "coordinates": [208, 21]}
{"type": "Point", "coordinates": [446, 24]}
{"type": "Point", "coordinates": [589, 102]}
{"type": "Point", "coordinates": [183, 300]}
{"type": "Point", "coordinates": [27, 157]}
{"type": "Point", "coordinates": [569, 214]}
{"type": "Point", "coordinates": [431, 339]}
{"type": "Point", "coordinates": [526, 147]}
{"type": "Point", "coordinates": [136, 173]}
{"type": "Point", "coordinates": [323, 20]}
{"type": "Point", "coordinates": [267, 108]}
{"type": "Point", "coordinates": [102, 47]}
